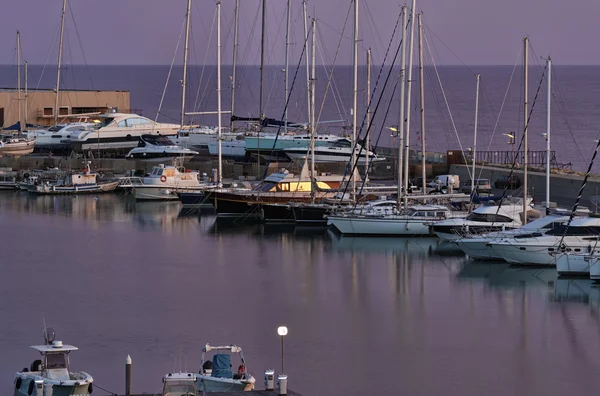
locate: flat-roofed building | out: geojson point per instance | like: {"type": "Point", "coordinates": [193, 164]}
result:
{"type": "Point", "coordinates": [39, 105]}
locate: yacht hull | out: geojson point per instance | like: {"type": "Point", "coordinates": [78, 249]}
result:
{"type": "Point", "coordinates": [575, 265]}
{"type": "Point", "coordinates": [159, 193]}
{"type": "Point", "coordinates": [356, 225]}
{"type": "Point", "coordinates": [525, 255]}
{"type": "Point", "coordinates": [478, 248]}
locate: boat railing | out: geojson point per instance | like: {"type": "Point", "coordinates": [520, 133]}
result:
{"type": "Point", "coordinates": [130, 181]}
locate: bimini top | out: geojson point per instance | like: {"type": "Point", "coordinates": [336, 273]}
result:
{"type": "Point", "coordinates": [55, 347]}
{"type": "Point", "coordinates": [232, 348]}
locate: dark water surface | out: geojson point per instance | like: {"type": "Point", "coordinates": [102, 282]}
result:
{"type": "Point", "coordinates": [365, 315]}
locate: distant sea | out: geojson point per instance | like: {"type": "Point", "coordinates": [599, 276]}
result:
{"type": "Point", "coordinates": [575, 105]}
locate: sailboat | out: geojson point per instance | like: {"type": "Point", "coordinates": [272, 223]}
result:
{"type": "Point", "coordinates": [17, 145]}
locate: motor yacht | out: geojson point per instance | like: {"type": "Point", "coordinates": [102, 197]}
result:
{"type": "Point", "coordinates": [164, 182]}
{"type": "Point", "coordinates": [158, 148]}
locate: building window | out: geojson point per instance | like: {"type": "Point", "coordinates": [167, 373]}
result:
{"type": "Point", "coordinates": [1, 116]}
{"type": "Point", "coordinates": [48, 111]}
{"type": "Point", "coordinates": [63, 110]}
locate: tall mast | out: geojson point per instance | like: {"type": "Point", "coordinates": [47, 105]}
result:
{"type": "Point", "coordinates": [25, 103]}
{"type": "Point", "coordinates": [407, 120]}
{"type": "Point", "coordinates": [185, 60]}
{"type": "Point", "coordinates": [422, 97]}
{"type": "Point", "coordinates": [402, 98]}
{"type": "Point", "coordinates": [262, 56]}
{"type": "Point", "coordinates": [262, 77]}
{"type": "Point", "coordinates": [313, 126]}
{"type": "Point", "coordinates": [287, 62]}
{"type": "Point", "coordinates": [235, 50]}
{"type": "Point", "coordinates": [60, 48]}
{"type": "Point", "coordinates": [525, 116]}
{"type": "Point", "coordinates": [368, 139]}
{"type": "Point", "coordinates": [474, 151]}
{"type": "Point", "coordinates": [19, 79]}
{"type": "Point", "coordinates": [354, 99]}
{"type": "Point", "coordinates": [549, 61]}
{"type": "Point", "coordinates": [308, 86]}
{"type": "Point", "coordinates": [219, 115]}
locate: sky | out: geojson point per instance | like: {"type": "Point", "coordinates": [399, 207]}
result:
{"type": "Point", "coordinates": [146, 32]}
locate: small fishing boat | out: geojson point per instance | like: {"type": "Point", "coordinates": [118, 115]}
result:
{"type": "Point", "coordinates": [164, 182]}
{"type": "Point", "coordinates": [216, 375]}
{"type": "Point", "coordinates": [179, 384]}
{"type": "Point", "coordinates": [84, 182]}
{"type": "Point", "coordinates": [52, 375]}
{"type": "Point", "coordinates": [16, 146]}
{"type": "Point", "coordinates": [158, 148]}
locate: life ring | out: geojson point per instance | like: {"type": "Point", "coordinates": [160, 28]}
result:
{"type": "Point", "coordinates": [18, 383]}
{"type": "Point", "coordinates": [163, 178]}
{"type": "Point", "coordinates": [30, 389]}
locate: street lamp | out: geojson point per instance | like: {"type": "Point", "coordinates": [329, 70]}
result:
{"type": "Point", "coordinates": [512, 140]}
{"type": "Point", "coordinates": [282, 331]}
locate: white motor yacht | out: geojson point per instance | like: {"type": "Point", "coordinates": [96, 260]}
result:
{"type": "Point", "coordinates": [52, 375]}
{"type": "Point", "coordinates": [412, 221]}
{"type": "Point", "coordinates": [478, 246]}
{"type": "Point", "coordinates": [488, 217]}
{"type": "Point", "coordinates": [51, 139]}
{"type": "Point", "coordinates": [579, 237]}
{"type": "Point", "coordinates": [200, 137]}
{"type": "Point", "coordinates": [216, 375]}
{"type": "Point", "coordinates": [337, 151]}
{"type": "Point", "coordinates": [118, 131]}
{"type": "Point", "coordinates": [158, 148]}
{"type": "Point", "coordinates": [164, 182]}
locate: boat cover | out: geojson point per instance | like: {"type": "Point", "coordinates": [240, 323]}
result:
{"type": "Point", "coordinates": [222, 366]}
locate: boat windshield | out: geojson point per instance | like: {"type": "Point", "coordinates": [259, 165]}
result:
{"type": "Point", "coordinates": [574, 231]}
{"type": "Point", "coordinates": [157, 140]}
{"type": "Point", "coordinates": [56, 361]}
{"type": "Point", "coordinates": [341, 143]}
{"type": "Point", "coordinates": [264, 186]}
{"type": "Point", "coordinates": [55, 128]}
{"type": "Point", "coordinates": [489, 218]}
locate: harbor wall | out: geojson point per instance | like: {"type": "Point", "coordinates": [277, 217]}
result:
{"type": "Point", "coordinates": [564, 187]}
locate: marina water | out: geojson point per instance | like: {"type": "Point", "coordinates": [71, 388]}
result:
{"type": "Point", "coordinates": [365, 315]}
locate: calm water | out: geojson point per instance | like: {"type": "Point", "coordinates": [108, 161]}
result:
{"type": "Point", "coordinates": [575, 110]}
{"type": "Point", "coordinates": [365, 316]}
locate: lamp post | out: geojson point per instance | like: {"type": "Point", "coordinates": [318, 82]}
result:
{"type": "Point", "coordinates": [512, 140]}
{"type": "Point", "coordinates": [282, 331]}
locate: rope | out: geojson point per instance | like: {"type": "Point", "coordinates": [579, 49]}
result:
{"type": "Point", "coordinates": [105, 390]}
{"type": "Point", "coordinates": [169, 74]}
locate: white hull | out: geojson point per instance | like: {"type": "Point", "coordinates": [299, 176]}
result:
{"type": "Point", "coordinates": [17, 149]}
{"type": "Point", "coordinates": [213, 384]}
{"type": "Point", "coordinates": [594, 268]}
{"type": "Point", "coordinates": [160, 193]}
{"type": "Point", "coordinates": [324, 157]}
{"type": "Point", "coordinates": [478, 248]}
{"type": "Point", "coordinates": [574, 264]}
{"type": "Point", "coordinates": [235, 148]}
{"type": "Point", "coordinates": [533, 255]}
{"type": "Point", "coordinates": [379, 226]}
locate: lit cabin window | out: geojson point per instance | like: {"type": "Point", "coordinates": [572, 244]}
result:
{"type": "Point", "coordinates": [56, 361]}
{"type": "Point", "coordinates": [169, 172]}
{"type": "Point", "coordinates": [284, 187]}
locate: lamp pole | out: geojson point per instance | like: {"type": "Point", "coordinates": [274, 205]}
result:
{"type": "Point", "coordinates": [282, 331]}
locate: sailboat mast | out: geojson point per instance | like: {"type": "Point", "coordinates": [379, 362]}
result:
{"type": "Point", "coordinates": [219, 115]}
{"type": "Point", "coordinates": [474, 151]}
{"type": "Point", "coordinates": [407, 120]}
{"type": "Point", "coordinates": [402, 103]}
{"type": "Point", "coordinates": [308, 86]}
{"type": "Point", "coordinates": [235, 50]}
{"type": "Point", "coordinates": [355, 97]}
{"type": "Point", "coordinates": [525, 116]}
{"type": "Point", "coordinates": [313, 126]}
{"type": "Point", "coordinates": [25, 102]}
{"type": "Point", "coordinates": [185, 60]}
{"type": "Point", "coordinates": [368, 138]}
{"type": "Point", "coordinates": [422, 97]}
{"type": "Point", "coordinates": [262, 57]}
{"type": "Point", "coordinates": [287, 62]}
{"type": "Point", "coordinates": [549, 62]}
{"type": "Point", "coordinates": [19, 79]}
{"type": "Point", "coordinates": [60, 48]}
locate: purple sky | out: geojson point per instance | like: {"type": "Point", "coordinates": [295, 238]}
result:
{"type": "Point", "coordinates": [146, 31]}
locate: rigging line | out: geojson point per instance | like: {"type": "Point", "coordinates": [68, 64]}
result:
{"type": "Point", "coordinates": [560, 103]}
{"type": "Point", "coordinates": [330, 77]}
{"type": "Point", "coordinates": [576, 204]}
{"type": "Point", "coordinates": [525, 127]}
{"type": "Point", "coordinates": [372, 25]}
{"type": "Point", "coordinates": [85, 62]}
{"type": "Point", "coordinates": [447, 104]}
{"type": "Point", "coordinates": [198, 98]}
{"type": "Point", "coordinates": [169, 74]}
{"type": "Point", "coordinates": [251, 90]}
{"type": "Point", "coordinates": [287, 102]}
{"type": "Point", "coordinates": [33, 94]}
{"type": "Point", "coordinates": [381, 95]}
{"type": "Point", "coordinates": [448, 48]}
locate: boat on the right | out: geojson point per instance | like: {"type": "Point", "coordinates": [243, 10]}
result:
{"type": "Point", "coordinates": [216, 374]}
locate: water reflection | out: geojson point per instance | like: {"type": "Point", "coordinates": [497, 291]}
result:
{"type": "Point", "coordinates": [584, 291]}
{"type": "Point", "coordinates": [503, 275]}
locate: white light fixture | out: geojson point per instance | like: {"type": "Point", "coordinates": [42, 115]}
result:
{"type": "Point", "coordinates": [282, 330]}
